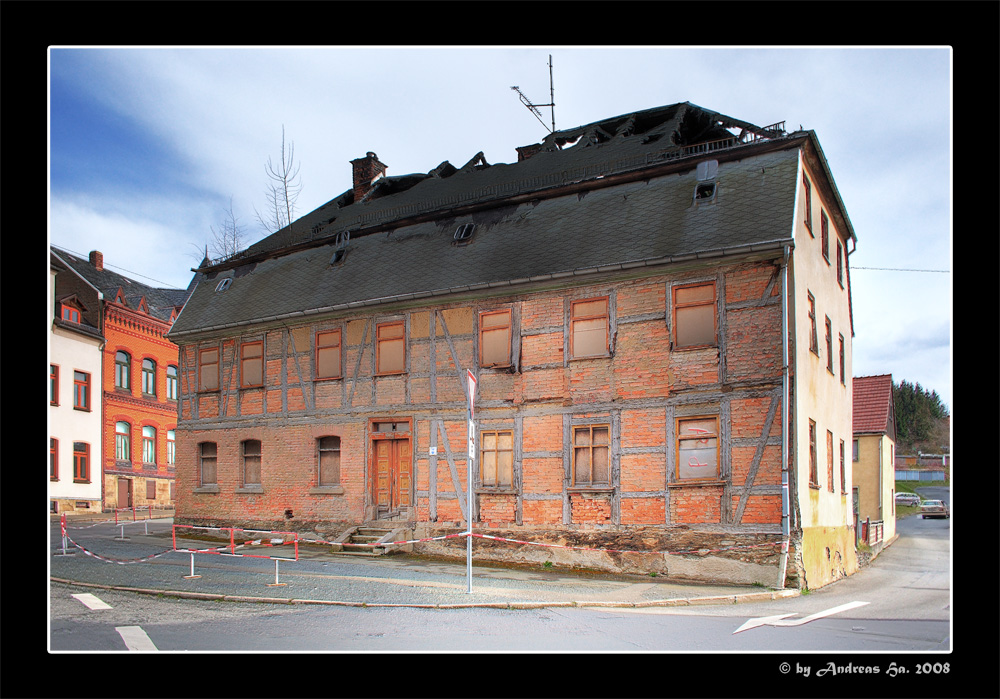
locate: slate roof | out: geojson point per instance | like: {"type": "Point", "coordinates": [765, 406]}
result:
{"type": "Point", "coordinates": [161, 301]}
{"type": "Point", "coordinates": [872, 404]}
{"type": "Point", "coordinates": [517, 238]}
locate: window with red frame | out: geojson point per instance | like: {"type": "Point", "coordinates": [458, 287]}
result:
{"type": "Point", "coordinates": [53, 384]}
{"type": "Point", "coordinates": [695, 315]}
{"type": "Point", "coordinates": [53, 459]}
{"type": "Point", "coordinates": [81, 390]}
{"type": "Point", "coordinates": [390, 357]}
{"type": "Point", "coordinates": [494, 338]}
{"type": "Point", "coordinates": [251, 364]}
{"type": "Point", "coordinates": [81, 462]}
{"type": "Point", "coordinates": [589, 328]}
{"type": "Point", "coordinates": [328, 355]}
{"type": "Point", "coordinates": [208, 369]}
{"type": "Point", "coordinates": [71, 314]}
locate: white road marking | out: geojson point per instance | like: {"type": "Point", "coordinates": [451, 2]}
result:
{"type": "Point", "coordinates": [135, 638]}
{"type": "Point", "coordinates": [92, 601]}
{"type": "Point", "coordinates": [780, 620]}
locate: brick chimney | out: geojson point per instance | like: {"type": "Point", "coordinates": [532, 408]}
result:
{"type": "Point", "coordinates": [366, 171]}
{"type": "Point", "coordinates": [97, 259]}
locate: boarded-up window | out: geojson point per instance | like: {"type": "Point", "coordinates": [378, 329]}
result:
{"type": "Point", "coordinates": [813, 339]}
{"type": "Point", "coordinates": [209, 456]}
{"type": "Point", "coordinates": [698, 448]}
{"type": "Point", "coordinates": [694, 315]}
{"type": "Point", "coordinates": [808, 201]}
{"type": "Point", "coordinates": [824, 224]}
{"type": "Point", "coordinates": [829, 460]}
{"type": "Point", "coordinates": [251, 364]}
{"type": "Point", "coordinates": [208, 369]}
{"type": "Point", "coordinates": [494, 338]}
{"type": "Point", "coordinates": [150, 489]}
{"type": "Point", "coordinates": [328, 355]}
{"type": "Point", "coordinates": [496, 458]}
{"type": "Point", "coordinates": [589, 328]}
{"type": "Point", "coordinates": [840, 263]}
{"type": "Point", "coordinates": [829, 345]}
{"type": "Point", "coordinates": [391, 349]}
{"type": "Point", "coordinates": [329, 461]}
{"type": "Point", "coordinates": [251, 462]}
{"type": "Point", "coordinates": [591, 455]}
{"type": "Point", "coordinates": [813, 467]}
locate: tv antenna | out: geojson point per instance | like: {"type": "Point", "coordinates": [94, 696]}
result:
{"type": "Point", "coordinates": [533, 108]}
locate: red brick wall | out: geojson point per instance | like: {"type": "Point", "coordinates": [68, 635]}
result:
{"type": "Point", "coordinates": [142, 337]}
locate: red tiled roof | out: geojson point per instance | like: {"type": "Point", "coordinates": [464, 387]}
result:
{"type": "Point", "coordinates": [872, 400]}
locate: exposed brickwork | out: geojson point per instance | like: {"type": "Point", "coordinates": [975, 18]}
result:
{"type": "Point", "coordinates": [638, 389]}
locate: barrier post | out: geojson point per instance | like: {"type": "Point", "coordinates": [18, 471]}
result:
{"type": "Point", "coordinates": [122, 536]}
{"type": "Point", "coordinates": [62, 527]}
{"type": "Point", "coordinates": [192, 576]}
{"type": "Point", "coordinates": [276, 583]}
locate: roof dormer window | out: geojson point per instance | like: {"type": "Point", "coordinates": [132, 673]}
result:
{"type": "Point", "coordinates": [70, 313]}
{"type": "Point", "coordinates": [224, 284]}
{"type": "Point", "coordinates": [704, 192]}
{"type": "Point", "coordinates": [463, 235]}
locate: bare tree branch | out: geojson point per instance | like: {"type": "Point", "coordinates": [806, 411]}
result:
{"type": "Point", "coordinates": [283, 190]}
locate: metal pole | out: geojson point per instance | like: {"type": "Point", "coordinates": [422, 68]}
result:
{"type": "Point", "coordinates": [468, 509]}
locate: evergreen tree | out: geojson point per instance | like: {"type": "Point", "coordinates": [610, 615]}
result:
{"type": "Point", "coordinates": [917, 410]}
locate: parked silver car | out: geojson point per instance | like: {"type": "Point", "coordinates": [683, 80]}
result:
{"type": "Point", "coordinates": [907, 499]}
{"type": "Point", "coordinates": [934, 508]}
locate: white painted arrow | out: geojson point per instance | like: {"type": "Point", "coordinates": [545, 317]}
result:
{"type": "Point", "coordinates": [781, 620]}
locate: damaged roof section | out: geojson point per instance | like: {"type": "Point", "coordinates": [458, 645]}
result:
{"type": "Point", "coordinates": [589, 152]}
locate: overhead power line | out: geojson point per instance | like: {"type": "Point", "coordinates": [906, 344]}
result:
{"type": "Point", "coordinates": [137, 274]}
{"type": "Point", "coordinates": [897, 269]}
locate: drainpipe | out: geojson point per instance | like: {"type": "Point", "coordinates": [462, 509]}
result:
{"type": "Point", "coordinates": [785, 500]}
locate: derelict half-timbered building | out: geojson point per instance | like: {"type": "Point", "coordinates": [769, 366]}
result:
{"type": "Point", "coordinates": [662, 365]}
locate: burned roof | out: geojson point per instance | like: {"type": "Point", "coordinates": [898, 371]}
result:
{"type": "Point", "coordinates": [616, 194]}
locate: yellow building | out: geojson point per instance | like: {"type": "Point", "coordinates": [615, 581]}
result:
{"type": "Point", "coordinates": [873, 458]}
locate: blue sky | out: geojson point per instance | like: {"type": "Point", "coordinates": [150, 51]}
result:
{"type": "Point", "coordinates": [147, 146]}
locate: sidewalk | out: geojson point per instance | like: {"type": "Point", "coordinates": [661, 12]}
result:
{"type": "Point", "coordinates": [144, 561]}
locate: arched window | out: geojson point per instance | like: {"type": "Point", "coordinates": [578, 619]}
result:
{"type": "Point", "coordinates": [123, 366]}
{"type": "Point", "coordinates": [149, 445]}
{"type": "Point", "coordinates": [123, 441]}
{"type": "Point", "coordinates": [171, 448]}
{"type": "Point", "coordinates": [171, 382]}
{"type": "Point", "coordinates": [148, 377]}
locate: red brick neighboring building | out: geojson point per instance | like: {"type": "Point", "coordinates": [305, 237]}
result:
{"type": "Point", "coordinates": [620, 295]}
{"type": "Point", "coordinates": [139, 385]}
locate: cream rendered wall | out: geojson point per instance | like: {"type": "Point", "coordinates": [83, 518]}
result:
{"type": "Point", "coordinates": [74, 352]}
{"type": "Point", "coordinates": [825, 517]}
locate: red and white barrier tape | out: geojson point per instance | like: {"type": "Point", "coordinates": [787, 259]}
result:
{"type": "Point", "coordinates": [119, 561]}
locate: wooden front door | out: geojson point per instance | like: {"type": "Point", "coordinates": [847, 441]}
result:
{"type": "Point", "coordinates": [124, 492]}
{"type": "Point", "coordinates": [393, 473]}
